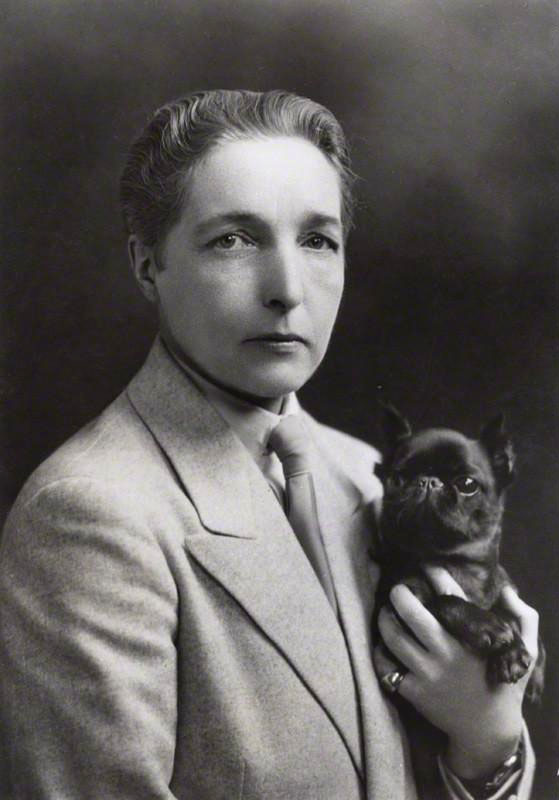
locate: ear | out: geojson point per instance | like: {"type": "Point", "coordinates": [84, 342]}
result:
{"type": "Point", "coordinates": [498, 446]}
{"type": "Point", "coordinates": [395, 427]}
{"type": "Point", "coordinates": [144, 266]}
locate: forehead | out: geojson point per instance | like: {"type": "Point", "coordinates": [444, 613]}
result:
{"type": "Point", "coordinates": [272, 177]}
{"type": "Point", "coordinates": [448, 449]}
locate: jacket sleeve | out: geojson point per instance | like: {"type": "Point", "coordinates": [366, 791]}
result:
{"type": "Point", "coordinates": [88, 610]}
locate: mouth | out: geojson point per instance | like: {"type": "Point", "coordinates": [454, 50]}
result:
{"type": "Point", "coordinates": [277, 337]}
{"type": "Point", "coordinates": [278, 341]}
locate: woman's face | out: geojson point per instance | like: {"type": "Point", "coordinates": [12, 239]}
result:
{"type": "Point", "coordinates": [253, 271]}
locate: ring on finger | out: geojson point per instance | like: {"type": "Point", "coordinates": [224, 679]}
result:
{"type": "Point", "coordinates": [392, 680]}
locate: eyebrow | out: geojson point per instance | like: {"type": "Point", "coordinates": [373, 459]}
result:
{"type": "Point", "coordinates": [316, 218]}
{"type": "Point", "coordinates": [233, 217]}
{"type": "Point", "coordinates": [311, 219]}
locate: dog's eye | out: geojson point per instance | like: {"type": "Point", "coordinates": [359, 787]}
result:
{"type": "Point", "coordinates": [466, 485]}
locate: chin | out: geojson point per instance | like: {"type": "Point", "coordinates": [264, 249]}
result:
{"type": "Point", "coordinates": [275, 385]}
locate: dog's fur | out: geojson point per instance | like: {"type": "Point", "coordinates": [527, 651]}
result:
{"type": "Point", "coordinates": [443, 505]}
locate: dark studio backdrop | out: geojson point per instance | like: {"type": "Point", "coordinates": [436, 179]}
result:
{"type": "Point", "coordinates": [452, 109]}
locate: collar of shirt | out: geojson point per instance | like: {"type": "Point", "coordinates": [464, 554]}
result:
{"type": "Point", "coordinates": [251, 424]}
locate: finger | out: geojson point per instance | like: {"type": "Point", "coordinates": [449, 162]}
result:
{"type": "Point", "coordinates": [403, 646]}
{"type": "Point", "coordinates": [383, 661]}
{"type": "Point", "coordinates": [419, 620]}
{"type": "Point", "coordinates": [408, 686]}
{"type": "Point", "coordinates": [384, 666]}
{"type": "Point", "coordinates": [528, 618]}
{"type": "Point", "coordinates": [442, 581]}
{"type": "Point", "coordinates": [410, 690]}
{"type": "Point", "coordinates": [411, 687]}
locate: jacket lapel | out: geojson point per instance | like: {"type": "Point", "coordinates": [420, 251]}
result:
{"type": "Point", "coordinates": [249, 547]}
{"type": "Point", "coordinates": [345, 507]}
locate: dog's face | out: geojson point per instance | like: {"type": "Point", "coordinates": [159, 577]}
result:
{"type": "Point", "coordinates": [442, 490]}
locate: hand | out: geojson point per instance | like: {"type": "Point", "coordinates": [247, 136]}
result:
{"type": "Point", "coordinates": [447, 683]}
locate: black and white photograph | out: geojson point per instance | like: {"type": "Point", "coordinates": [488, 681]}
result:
{"type": "Point", "coordinates": [280, 400]}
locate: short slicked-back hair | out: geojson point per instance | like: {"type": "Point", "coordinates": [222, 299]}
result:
{"type": "Point", "coordinates": [180, 133]}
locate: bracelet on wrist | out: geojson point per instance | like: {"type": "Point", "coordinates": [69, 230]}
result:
{"type": "Point", "coordinates": [488, 785]}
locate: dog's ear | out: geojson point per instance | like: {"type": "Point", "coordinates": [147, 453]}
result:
{"type": "Point", "coordinates": [395, 427]}
{"type": "Point", "coordinates": [498, 446]}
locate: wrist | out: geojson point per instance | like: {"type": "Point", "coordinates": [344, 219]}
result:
{"type": "Point", "coordinates": [476, 749]}
{"type": "Point", "coordinates": [479, 759]}
{"type": "Point", "coordinates": [501, 780]}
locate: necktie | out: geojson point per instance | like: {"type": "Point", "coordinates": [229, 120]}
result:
{"type": "Point", "coordinates": [290, 443]}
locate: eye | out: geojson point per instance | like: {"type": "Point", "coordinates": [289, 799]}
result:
{"type": "Point", "coordinates": [232, 241]}
{"type": "Point", "coordinates": [466, 485]}
{"type": "Point", "coordinates": [318, 241]}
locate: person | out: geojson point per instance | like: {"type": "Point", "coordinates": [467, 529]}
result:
{"type": "Point", "coordinates": [164, 631]}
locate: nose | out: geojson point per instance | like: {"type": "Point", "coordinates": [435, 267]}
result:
{"type": "Point", "coordinates": [429, 482]}
{"type": "Point", "coordinates": [283, 279]}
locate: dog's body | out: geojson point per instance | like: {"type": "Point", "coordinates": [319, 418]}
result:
{"type": "Point", "coordinates": [443, 505]}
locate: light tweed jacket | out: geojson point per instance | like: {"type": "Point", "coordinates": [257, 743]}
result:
{"type": "Point", "coordinates": [161, 633]}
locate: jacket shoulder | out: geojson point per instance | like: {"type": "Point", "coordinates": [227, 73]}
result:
{"type": "Point", "coordinates": [108, 448]}
{"type": "Point", "coordinates": [110, 471]}
{"type": "Point", "coordinates": [352, 457]}
{"type": "Point", "coordinates": [350, 446]}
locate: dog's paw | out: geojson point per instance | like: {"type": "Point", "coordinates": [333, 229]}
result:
{"type": "Point", "coordinates": [491, 634]}
{"type": "Point", "coordinates": [510, 663]}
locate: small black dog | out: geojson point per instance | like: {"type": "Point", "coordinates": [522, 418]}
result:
{"type": "Point", "coordinates": [443, 505]}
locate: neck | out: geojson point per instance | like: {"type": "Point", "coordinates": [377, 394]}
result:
{"type": "Point", "coordinates": [273, 404]}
